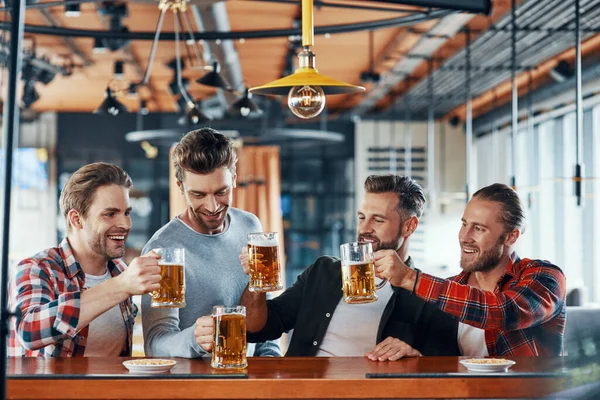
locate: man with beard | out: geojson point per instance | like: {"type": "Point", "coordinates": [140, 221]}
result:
{"type": "Point", "coordinates": [504, 304]}
{"type": "Point", "coordinates": [75, 299]}
{"type": "Point", "coordinates": [397, 325]}
{"type": "Point", "coordinates": [211, 232]}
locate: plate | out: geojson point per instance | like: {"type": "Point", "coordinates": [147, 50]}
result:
{"type": "Point", "coordinates": [149, 365]}
{"type": "Point", "coordinates": [487, 364]}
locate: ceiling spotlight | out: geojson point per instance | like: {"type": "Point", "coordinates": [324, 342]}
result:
{"type": "Point", "coordinates": [194, 115]}
{"type": "Point", "coordinates": [562, 71]}
{"type": "Point", "coordinates": [30, 95]}
{"type": "Point", "coordinates": [99, 46]}
{"type": "Point", "coordinates": [144, 107]}
{"type": "Point", "coordinates": [306, 87]}
{"type": "Point", "coordinates": [119, 69]}
{"type": "Point", "coordinates": [244, 106]}
{"type": "Point", "coordinates": [72, 9]}
{"type": "Point", "coordinates": [111, 105]}
{"type": "Point", "coordinates": [213, 78]}
{"type": "Point", "coordinates": [132, 91]}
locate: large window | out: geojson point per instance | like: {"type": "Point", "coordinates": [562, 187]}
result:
{"type": "Point", "coordinates": [558, 229]}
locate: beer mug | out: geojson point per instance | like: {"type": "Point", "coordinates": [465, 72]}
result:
{"type": "Point", "coordinates": [229, 335]}
{"type": "Point", "coordinates": [263, 261]}
{"type": "Point", "coordinates": [172, 279]}
{"type": "Point", "coordinates": [358, 273]}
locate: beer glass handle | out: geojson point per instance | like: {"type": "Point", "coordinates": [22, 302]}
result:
{"type": "Point", "coordinates": [381, 284]}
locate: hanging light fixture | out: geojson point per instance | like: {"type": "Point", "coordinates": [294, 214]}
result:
{"type": "Point", "coordinates": [110, 105]}
{"type": "Point", "coordinates": [245, 106]}
{"type": "Point", "coordinates": [213, 78]}
{"type": "Point", "coordinates": [306, 87]}
{"type": "Point", "coordinates": [178, 86]}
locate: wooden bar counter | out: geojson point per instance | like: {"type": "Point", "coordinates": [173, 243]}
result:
{"type": "Point", "coordinates": [283, 378]}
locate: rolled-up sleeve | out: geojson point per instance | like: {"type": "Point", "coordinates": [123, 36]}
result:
{"type": "Point", "coordinates": [534, 299]}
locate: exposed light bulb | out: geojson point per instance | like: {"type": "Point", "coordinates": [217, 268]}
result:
{"type": "Point", "coordinates": [245, 111]}
{"type": "Point", "coordinates": [306, 101]}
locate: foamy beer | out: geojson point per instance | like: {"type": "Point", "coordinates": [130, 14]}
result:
{"type": "Point", "coordinates": [172, 279]}
{"type": "Point", "coordinates": [263, 261]}
{"type": "Point", "coordinates": [358, 273]}
{"type": "Point", "coordinates": [229, 335]}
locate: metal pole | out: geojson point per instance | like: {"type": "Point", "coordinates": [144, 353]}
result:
{"type": "Point", "coordinates": [578, 175]}
{"type": "Point", "coordinates": [153, 48]}
{"type": "Point", "coordinates": [407, 136]}
{"type": "Point", "coordinates": [10, 136]}
{"type": "Point", "coordinates": [431, 140]}
{"type": "Point", "coordinates": [469, 120]}
{"type": "Point", "coordinates": [515, 97]}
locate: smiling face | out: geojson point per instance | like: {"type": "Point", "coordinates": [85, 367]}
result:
{"type": "Point", "coordinates": [208, 198]}
{"type": "Point", "coordinates": [482, 236]}
{"type": "Point", "coordinates": [379, 221]}
{"type": "Point", "coordinates": [108, 222]}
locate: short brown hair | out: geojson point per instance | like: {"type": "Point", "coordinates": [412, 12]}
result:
{"type": "Point", "coordinates": [513, 215]}
{"type": "Point", "coordinates": [203, 151]}
{"type": "Point", "coordinates": [411, 199]}
{"type": "Point", "coordinates": [79, 190]}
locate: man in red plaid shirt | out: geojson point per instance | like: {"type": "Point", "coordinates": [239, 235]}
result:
{"type": "Point", "coordinates": [75, 299]}
{"type": "Point", "coordinates": [504, 305]}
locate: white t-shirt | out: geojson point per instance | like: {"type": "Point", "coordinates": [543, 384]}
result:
{"type": "Point", "coordinates": [471, 341]}
{"type": "Point", "coordinates": [107, 333]}
{"type": "Point", "coordinates": [352, 331]}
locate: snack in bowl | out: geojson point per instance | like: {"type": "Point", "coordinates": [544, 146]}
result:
{"type": "Point", "coordinates": [149, 365]}
{"type": "Point", "coordinates": [487, 364]}
{"type": "Point", "coordinates": [487, 361]}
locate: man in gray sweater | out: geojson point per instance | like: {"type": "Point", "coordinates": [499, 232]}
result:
{"type": "Point", "coordinates": [211, 232]}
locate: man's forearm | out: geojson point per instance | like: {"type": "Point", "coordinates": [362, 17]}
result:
{"type": "Point", "coordinates": [256, 310]}
{"type": "Point", "coordinates": [99, 299]}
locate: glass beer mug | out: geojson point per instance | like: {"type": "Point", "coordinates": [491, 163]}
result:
{"type": "Point", "coordinates": [171, 293]}
{"type": "Point", "coordinates": [358, 273]}
{"type": "Point", "coordinates": [229, 337]}
{"type": "Point", "coordinates": [264, 262]}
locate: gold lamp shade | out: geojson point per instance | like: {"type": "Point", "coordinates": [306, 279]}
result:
{"type": "Point", "coordinates": [307, 77]}
{"type": "Point", "coordinates": [307, 74]}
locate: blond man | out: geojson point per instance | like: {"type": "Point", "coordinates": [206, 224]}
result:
{"type": "Point", "coordinates": [75, 299]}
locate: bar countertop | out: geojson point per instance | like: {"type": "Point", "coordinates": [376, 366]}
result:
{"type": "Point", "coordinates": [284, 378]}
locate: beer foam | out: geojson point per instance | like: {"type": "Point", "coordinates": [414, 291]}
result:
{"type": "Point", "coordinates": [350, 263]}
{"type": "Point", "coordinates": [169, 264]}
{"type": "Point", "coordinates": [263, 242]}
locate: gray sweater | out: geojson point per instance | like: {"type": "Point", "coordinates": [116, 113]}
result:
{"type": "Point", "coordinates": [213, 276]}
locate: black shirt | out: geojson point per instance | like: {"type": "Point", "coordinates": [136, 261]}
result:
{"type": "Point", "coordinates": [307, 308]}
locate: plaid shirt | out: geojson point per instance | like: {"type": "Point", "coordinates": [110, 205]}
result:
{"type": "Point", "coordinates": [524, 316]}
{"type": "Point", "coordinates": [47, 289]}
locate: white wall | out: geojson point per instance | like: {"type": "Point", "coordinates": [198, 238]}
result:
{"type": "Point", "coordinates": [435, 245]}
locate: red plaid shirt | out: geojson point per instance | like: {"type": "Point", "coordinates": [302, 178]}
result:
{"type": "Point", "coordinates": [46, 289]}
{"type": "Point", "coordinates": [524, 316]}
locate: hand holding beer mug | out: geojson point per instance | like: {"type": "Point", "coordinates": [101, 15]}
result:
{"type": "Point", "coordinates": [263, 260]}
{"type": "Point", "coordinates": [229, 332]}
{"type": "Point", "coordinates": [172, 279]}
{"type": "Point", "coordinates": [358, 273]}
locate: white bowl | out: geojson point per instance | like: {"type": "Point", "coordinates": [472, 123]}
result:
{"type": "Point", "coordinates": [149, 365]}
{"type": "Point", "coordinates": [490, 364]}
